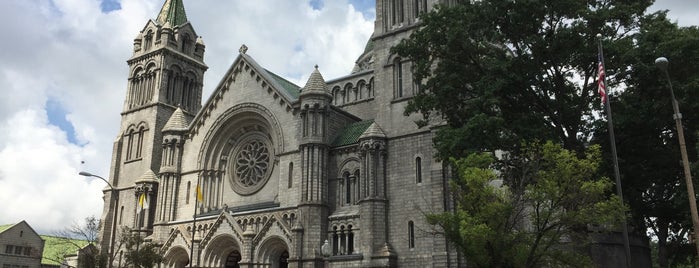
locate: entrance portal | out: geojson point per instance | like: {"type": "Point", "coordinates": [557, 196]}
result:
{"type": "Point", "coordinates": [233, 259]}
{"type": "Point", "coordinates": [284, 260]}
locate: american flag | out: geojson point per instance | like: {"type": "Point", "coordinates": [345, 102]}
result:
{"type": "Point", "coordinates": [601, 88]}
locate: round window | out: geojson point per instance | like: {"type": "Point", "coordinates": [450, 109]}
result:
{"type": "Point", "coordinates": [251, 164]}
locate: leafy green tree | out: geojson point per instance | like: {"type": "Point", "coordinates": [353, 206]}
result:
{"type": "Point", "coordinates": [137, 251]}
{"type": "Point", "coordinates": [503, 72]}
{"type": "Point", "coordinates": [645, 129]}
{"type": "Point", "coordinates": [493, 227]}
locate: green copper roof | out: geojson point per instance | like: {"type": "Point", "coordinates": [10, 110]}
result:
{"type": "Point", "coordinates": [172, 12]}
{"type": "Point", "coordinates": [290, 88]}
{"type": "Point", "coordinates": [55, 248]}
{"type": "Point", "coordinates": [350, 134]}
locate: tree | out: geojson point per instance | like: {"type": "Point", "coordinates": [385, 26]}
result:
{"type": "Point", "coordinates": [503, 72]}
{"type": "Point", "coordinates": [506, 73]}
{"type": "Point", "coordinates": [648, 148]}
{"type": "Point", "coordinates": [80, 239]}
{"type": "Point", "coordinates": [494, 227]}
{"type": "Point", "coordinates": [137, 251]}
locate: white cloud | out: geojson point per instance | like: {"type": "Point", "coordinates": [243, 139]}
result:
{"type": "Point", "coordinates": [38, 170]}
{"type": "Point", "coordinates": [70, 52]}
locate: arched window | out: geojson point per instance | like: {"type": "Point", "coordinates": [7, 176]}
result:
{"type": "Point", "coordinates": [189, 188]}
{"type": "Point", "coordinates": [337, 96]}
{"type": "Point", "coordinates": [291, 174]}
{"type": "Point", "coordinates": [139, 148]}
{"type": "Point", "coordinates": [418, 169]}
{"type": "Point", "coordinates": [343, 240]}
{"type": "Point", "coordinates": [148, 41]}
{"type": "Point", "coordinates": [348, 93]}
{"type": "Point", "coordinates": [129, 144]}
{"type": "Point", "coordinates": [411, 234]}
{"type": "Point", "coordinates": [398, 77]}
{"type": "Point", "coordinates": [186, 43]}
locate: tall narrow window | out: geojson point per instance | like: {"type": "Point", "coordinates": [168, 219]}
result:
{"type": "Point", "coordinates": [411, 234]}
{"type": "Point", "coordinates": [186, 41]}
{"type": "Point", "coordinates": [149, 41]}
{"type": "Point", "coordinates": [189, 188]}
{"type": "Point", "coordinates": [356, 186]}
{"type": "Point", "coordinates": [348, 187]}
{"type": "Point", "coordinates": [398, 77]}
{"type": "Point", "coordinates": [350, 240]}
{"type": "Point", "coordinates": [418, 170]}
{"type": "Point", "coordinates": [291, 175]}
{"type": "Point", "coordinates": [129, 145]}
{"type": "Point", "coordinates": [416, 8]}
{"type": "Point", "coordinates": [139, 149]}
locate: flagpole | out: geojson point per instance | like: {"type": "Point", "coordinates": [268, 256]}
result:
{"type": "Point", "coordinates": [194, 222]}
{"type": "Point", "coordinates": [612, 140]}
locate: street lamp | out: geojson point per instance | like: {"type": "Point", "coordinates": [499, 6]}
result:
{"type": "Point", "coordinates": [115, 196]}
{"type": "Point", "coordinates": [662, 64]}
{"type": "Point", "coordinates": [326, 251]}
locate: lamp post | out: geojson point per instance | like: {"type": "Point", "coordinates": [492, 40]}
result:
{"type": "Point", "coordinates": [326, 251]}
{"type": "Point", "coordinates": [115, 196]}
{"type": "Point", "coordinates": [662, 64]}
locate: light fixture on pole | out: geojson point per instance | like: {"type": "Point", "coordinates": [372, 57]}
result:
{"type": "Point", "coordinates": [662, 64]}
{"type": "Point", "coordinates": [326, 251]}
{"type": "Point", "coordinates": [115, 197]}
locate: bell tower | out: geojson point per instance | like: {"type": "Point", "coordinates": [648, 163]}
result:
{"type": "Point", "coordinates": [166, 72]}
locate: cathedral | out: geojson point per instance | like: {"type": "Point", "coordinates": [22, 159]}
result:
{"type": "Point", "coordinates": [266, 173]}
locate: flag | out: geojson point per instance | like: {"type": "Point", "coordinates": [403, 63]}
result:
{"type": "Point", "coordinates": [200, 196]}
{"type": "Point", "coordinates": [601, 87]}
{"type": "Point", "coordinates": [143, 201]}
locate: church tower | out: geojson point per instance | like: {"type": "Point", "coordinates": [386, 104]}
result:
{"type": "Point", "coordinates": [165, 75]}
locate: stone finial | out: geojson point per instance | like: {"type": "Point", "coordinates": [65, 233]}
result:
{"type": "Point", "coordinates": [243, 49]}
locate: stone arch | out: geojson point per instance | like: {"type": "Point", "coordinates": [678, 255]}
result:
{"type": "Point", "coordinates": [217, 251]}
{"type": "Point", "coordinates": [232, 122]}
{"type": "Point", "coordinates": [273, 252]}
{"type": "Point", "coordinates": [337, 95]}
{"type": "Point", "coordinates": [176, 257]}
{"type": "Point", "coordinates": [348, 165]}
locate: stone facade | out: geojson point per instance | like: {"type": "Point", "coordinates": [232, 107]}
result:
{"type": "Point", "coordinates": [266, 173]}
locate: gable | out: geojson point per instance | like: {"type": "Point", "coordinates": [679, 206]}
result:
{"type": "Point", "coordinates": [283, 93]}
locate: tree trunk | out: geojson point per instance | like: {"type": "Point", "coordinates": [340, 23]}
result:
{"type": "Point", "coordinates": [662, 243]}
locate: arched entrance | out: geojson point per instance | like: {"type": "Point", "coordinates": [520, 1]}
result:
{"type": "Point", "coordinates": [273, 253]}
{"type": "Point", "coordinates": [222, 251]}
{"type": "Point", "coordinates": [176, 257]}
{"type": "Point", "coordinates": [233, 259]}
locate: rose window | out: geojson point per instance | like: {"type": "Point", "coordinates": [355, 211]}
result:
{"type": "Point", "coordinates": [252, 163]}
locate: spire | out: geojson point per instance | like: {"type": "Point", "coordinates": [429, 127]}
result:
{"type": "Point", "coordinates": [316, 82]}
{"type": "Point", "coordinates": [373, 131]}
{"type": "Point", "coordinates": [172, 12]}
{"type": "Point", "coordinates": [177, 121]}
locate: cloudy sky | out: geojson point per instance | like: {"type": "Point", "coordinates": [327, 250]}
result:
{"type": "Point", "coordinates": [63, 78]}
